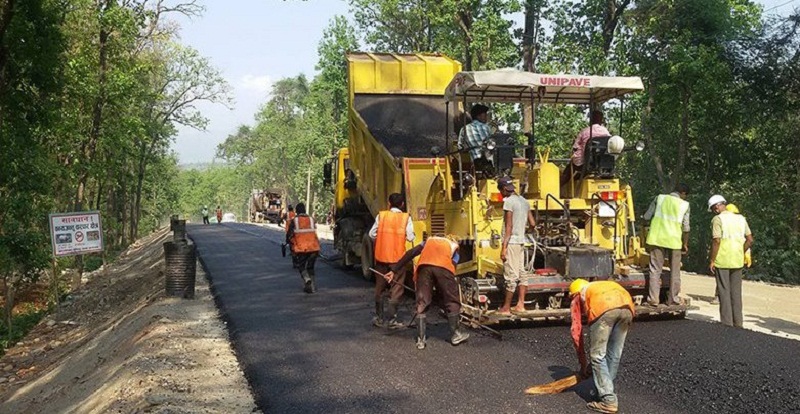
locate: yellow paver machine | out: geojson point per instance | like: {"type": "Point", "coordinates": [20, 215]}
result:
{"type": "Point", "coordinates": [404, 116]}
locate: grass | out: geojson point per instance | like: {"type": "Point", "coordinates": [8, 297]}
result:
{"type": "Point", "coordinates": [22, 323]}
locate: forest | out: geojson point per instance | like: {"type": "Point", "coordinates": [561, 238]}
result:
{"type": "Point", "coordinates": [92, 93]}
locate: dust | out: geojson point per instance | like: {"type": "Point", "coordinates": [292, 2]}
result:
{"type": "Point", "coordinates": [120, 345]}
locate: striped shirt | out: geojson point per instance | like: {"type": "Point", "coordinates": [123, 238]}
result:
{"type": "Point", "coordinates": [472, 136]}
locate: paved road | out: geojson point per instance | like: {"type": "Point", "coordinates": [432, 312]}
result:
{"type": "Point", "coordinates": [318, 353]}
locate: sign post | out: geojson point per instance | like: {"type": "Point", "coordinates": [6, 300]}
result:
{"type": "Point", "coordinates": [73, 234]}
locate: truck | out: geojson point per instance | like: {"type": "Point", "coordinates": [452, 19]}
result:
{"type": "Point", "coordinates": [265, 206]}
{"type": "Point", "coordinates": [404, 115]}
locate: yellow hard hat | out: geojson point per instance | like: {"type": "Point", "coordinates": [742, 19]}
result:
{"type": "Point", "coordinates": [732, 208]}
{"type": "Point", "coordinates": [576, 286]}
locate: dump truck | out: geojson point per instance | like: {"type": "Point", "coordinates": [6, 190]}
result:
{"type": "Point", "coordinates": [404, 115]}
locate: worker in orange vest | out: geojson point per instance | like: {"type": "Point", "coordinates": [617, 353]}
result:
{"type": "Point", "coordinates": [219, 215]}
{"type": "Point", "coordinates": [289, 216]}
{"type": "Point", "coordinates": [609, 310]}
{"type": "Point", "coordinates": [302, 237]}
{"type": "Point", "coordinates": [390, 232]}
{"type": "Point", "coordinates": [438, 257]}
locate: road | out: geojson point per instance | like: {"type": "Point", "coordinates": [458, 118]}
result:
{"type": "Point", "coordinates": [318, 353]}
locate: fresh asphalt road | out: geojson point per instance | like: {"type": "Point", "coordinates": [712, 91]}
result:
{"type": "Point", "coordinates": [312, 353]}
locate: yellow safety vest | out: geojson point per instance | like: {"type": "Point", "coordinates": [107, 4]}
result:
{"type": "Point", "coordinates": [666, 227]}
{"type": "Point", "coordinates": [731, 245]}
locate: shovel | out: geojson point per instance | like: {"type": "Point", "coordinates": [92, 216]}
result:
{"type": "Point", "coordinates": [555, 387]}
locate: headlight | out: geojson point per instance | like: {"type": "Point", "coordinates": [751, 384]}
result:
{"type": "Point", "coordinates": [490, 144]}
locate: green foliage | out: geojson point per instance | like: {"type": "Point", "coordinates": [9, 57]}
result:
{"type": "Point", "coordinates": [23, 322]}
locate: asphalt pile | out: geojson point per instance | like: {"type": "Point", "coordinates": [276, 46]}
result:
{"type": "Point", "coordinates": [407, 125]}
{"type": "Point", "coordinates": [696, 366]}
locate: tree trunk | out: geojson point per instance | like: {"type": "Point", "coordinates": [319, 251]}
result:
{"type": "Point", "coordinates": [683, 139]}
{"type": "Point", "coordinates": [465, 21]}
{"type": "Point", "coordinates": [611, 17]}
{"type": "Point", "coordinates": [530, 51]}
{"type": "Point", "coordinates": [6, 14]}
{"type": "Point", "coordinates": [647, 133]}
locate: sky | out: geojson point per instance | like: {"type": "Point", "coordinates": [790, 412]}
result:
{"type": "Point", "coordinates": [257, 42]}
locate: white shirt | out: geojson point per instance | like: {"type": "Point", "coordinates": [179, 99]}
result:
{"type": "Point", "coordinates": [410, 236]}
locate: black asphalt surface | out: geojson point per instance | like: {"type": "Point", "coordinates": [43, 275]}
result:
{"type": "Point", "coordinates": [318, 353]}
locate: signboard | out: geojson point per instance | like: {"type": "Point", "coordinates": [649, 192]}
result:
{"type": "Point", "coordinates": [76, 233]}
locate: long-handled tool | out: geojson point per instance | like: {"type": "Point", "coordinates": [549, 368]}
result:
{"type": "Point", "coordinates": [475, 324]}
{"type": "Point", "coordinates": [394, 282]}
{"type": "Point", "coordinates": [555, 387]}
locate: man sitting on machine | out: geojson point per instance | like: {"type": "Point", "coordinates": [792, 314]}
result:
{"type": "Point", "coordinates": [595, 130]}
{"type": "Point", "coordinates": [473, 136]}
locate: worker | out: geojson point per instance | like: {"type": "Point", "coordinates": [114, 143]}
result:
{"type": "Point", "coordinates": [669, 233]}
{"type": "Point", "coordinates": [302, 237]}
{"type": "Point", "coordinates": [219, 214]}
{"type": "Point", "coordinates": [473, 136]}
{"type": "Point", "coordinates": [438, 257]}
{"type": "Point", "coordinates": [731, 237]}
{"type": "Point", "coordinates": [205, 214]}
{"type": "Point", "coordinates": [289, 216]}
{"type": "Point", "coordinates": [609, 311]}
{"type": "Point", "coordinates": [594, 130]}
{"type": "Point", "coordinates": [516, 214]}
{"type": "Point", "coordinates": [390, 232]}
{"type": "Point", "coordinates": [748, 258]}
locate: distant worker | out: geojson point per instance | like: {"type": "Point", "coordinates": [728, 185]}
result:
{"type": "Point", "coordinates": [669, 233]}
{"type": "Point", "coordinates": [438, 257]}
{"type": "Point", "coordinates": [219, 215]}
{"type": "Point", "coordinates": [596, 129]}
{"type": "Point", "coordinates": [516, 214]}
{"type": "Point", "coordinates": [731, 238]}
{"type": "Point", "coordinates": [289, 216]}
{"type": "Point", "coordinates": [609, 312]}
{"type": "Point", "coordinates": [473, 135]}
{"type": "Point", "coordinates": [205, 215]}
{"type": "Point", "coordinates": [748, 258]}
{"type": "Point", "coordinates": [302, 237]}
{"type": "Point", "coordinates": [392, 229]}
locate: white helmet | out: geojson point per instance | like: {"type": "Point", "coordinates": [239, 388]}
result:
{"type": "Point", "coordinates": [615, 145]}
{"type": "Point", "coordinates": [714, 200]}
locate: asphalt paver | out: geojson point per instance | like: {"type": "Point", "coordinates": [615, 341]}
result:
{"type": "Point", "coordinates": [318, 352]}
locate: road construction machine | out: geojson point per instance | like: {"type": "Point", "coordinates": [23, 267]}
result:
{"type": "Point", "coordinates": [404, 115]}
{"type": "Point", "coordinates": [265, 206]}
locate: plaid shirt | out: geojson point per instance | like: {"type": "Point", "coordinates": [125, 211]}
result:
{"type": "Point", "coordinates": [472, 136]}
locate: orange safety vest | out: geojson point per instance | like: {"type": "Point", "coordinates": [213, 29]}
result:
{"type": "Point", "coordinates": [390, 245]}
{"type": "Point", "coordinates": [438, 252]}
{"type": "Point", "coordinates": [289, 217]}
{"type": "Point", "coordinates": [304, 239]}
{"type": "Point", "coordinates": [603, 296]}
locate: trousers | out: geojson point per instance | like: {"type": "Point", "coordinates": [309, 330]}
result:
{"type": "Point", "coordinates": [607, 336]}
{"type": "Point", "coordinates": [656, 266]}
{"type": "Point", "coordinates": [729, 285]}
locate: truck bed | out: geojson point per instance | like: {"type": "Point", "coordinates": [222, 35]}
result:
{"type": "Point", "coordinates": [407, 125]}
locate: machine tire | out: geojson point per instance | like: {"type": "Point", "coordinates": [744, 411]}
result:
{"type": "Point", "coordinates": [367, 261]}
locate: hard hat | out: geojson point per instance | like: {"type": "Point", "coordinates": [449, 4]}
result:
{"type": "Point", "coordinates": [615, 145]}
{"type": "Point", "coordinates": [732, 208]}
{"type": "Point", "coordinates": [576, 286]}
{"type": "Point", "coordinates": [714, 200]}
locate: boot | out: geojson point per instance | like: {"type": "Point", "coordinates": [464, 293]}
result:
{"type": "Point", "coordinates": [392, 315]}
{"type": "Point", "coordinates": [421, 338]}
{"type": "Point", "coordinates": [378, 319]}
{"type": "Point", "coordinates": [307, 282]}
{"type": "Point", "coordinates": [313, 283]}
{"type": "Point", "coordinates": [459, 336]}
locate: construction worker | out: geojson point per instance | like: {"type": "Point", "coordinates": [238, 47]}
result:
{"type": "Point", "coordinates": [438, 257]}
{"type": "Point", "coordinates": [595, 130]}
{"type": "Point", "coordinates": [748, 258]}
{"type": "Point", "coordinates": [731, 238]}
{"type": "Point", "coordinates": [302, 237]}
{"type": "Point", "coordinates": [390, 232]}
{"type": "Point", "coordinates": [669, 233]}
{"type": "Point", "coordinates": [205, 214]}
{"type": "Point", "coordinates": [516, 214]}
{"type": "Point", "coordinates": [219, 214]}
{"type": "Point", "coordinates": [473, 135]}
{"type": "Point", "coordinates": [609, 310]}
{"type": "Point", "coordinates": [289, 216]}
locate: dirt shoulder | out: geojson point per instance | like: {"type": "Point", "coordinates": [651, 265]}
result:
{"type": "Point", "coordinates": [120, 345]}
